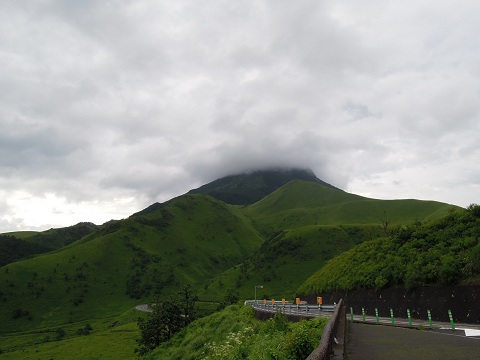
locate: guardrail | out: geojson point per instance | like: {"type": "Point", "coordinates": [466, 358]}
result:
{"type": "Point", "coordinates": [324, 349]}
{"type": "Point", "coordinates": [303, 310]}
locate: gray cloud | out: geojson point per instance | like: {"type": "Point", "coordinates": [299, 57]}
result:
{"type": "Point", "coordinates": [114, 105]}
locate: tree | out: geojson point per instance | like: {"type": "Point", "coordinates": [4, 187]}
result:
{"type": "Point", "coordinates": [230, 298]}
{"type": "Point", "coordinates": [161, 324]}
{"type": "Point", "coordinates": [188, 298]}
{"type": "Point", "coordinates": [385, 221]}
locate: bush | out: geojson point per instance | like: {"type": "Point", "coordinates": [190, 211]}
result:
{"type": "Point", "coordinates": [60, 333]}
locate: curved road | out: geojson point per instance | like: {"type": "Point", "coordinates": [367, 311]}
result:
{"type": "Point", "coordinates": [144, 308]}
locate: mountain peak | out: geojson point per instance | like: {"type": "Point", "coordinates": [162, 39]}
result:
{"type": "Point", "coordinates": [249, 187]}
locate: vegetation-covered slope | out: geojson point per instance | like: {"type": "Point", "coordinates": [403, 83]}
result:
{"type": "Point", "coordinates": [444, 251]}
{"type": "Point", "coordinates": [126, 262]}
{"type": "Point", "coordinates": [16, 246]}
{"type": "Point", "coordinates": [216, 247]}
{"type": "Point", "coordinates": [305, 224]}
{"type": "Point", "coordinates": [235, 334]}
{"type": "Point", "coordinates": [248, 188]}
{"type": "Point", "coordinates": [301, 203]}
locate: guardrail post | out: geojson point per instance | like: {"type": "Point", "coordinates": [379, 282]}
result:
{"type": "Point", "coordinates": [363, 314]}
{"type": "Point", "coordinates": [430, 318]}
{"type": "Point", "coordinates": [409, 317]}
{"type": "Point", "coordinates": [391, 314]}
{"type": "Point", "coordinates": [451, 320]}
{"type": "Point", "coordinates": [351, 312]}
{"type": "Point", "coordinates": [376, 315]}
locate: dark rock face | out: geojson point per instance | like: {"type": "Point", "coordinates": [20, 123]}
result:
{"type": "Point", "coordinates": [463, 301]}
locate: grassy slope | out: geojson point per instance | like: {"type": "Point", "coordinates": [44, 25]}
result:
{"type": "Point", "coordinates": [22, 234]}
{"type": "Point", "coordinates": [20, 245]}
{"type": "Point", "coordinates": [235, 334]}
{"type": "Point", "coordinates": [200, 239]}
{"type": "Point", "coordinates": [444, 251]}
{"type": "Point", "coordinates": [304, 203]}
{"type": "Point", "coordinates": [305, 225]}
{"type": "Point", "coordinates": [111, 338]}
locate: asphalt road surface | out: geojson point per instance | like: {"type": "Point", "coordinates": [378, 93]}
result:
{"type": "Point", "coordinates": [372, 342]}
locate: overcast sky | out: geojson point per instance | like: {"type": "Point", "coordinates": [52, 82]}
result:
{"type": "Point", "coordinates": [109, 106]}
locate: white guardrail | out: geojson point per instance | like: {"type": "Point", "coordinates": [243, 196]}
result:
{"type": "Point", "coordinates": [303, 309]}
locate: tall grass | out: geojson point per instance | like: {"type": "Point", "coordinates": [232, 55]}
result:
{"type": "Point", "coordinates": [235, 334]}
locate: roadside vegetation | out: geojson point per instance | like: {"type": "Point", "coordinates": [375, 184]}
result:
{"type": "Point", "coordinates": [234, 333]}
{"type": "Point", "coordinates": [440, 252]}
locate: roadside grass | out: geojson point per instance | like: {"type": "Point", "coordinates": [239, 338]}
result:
{"type": "Point", "coordinates": [235, 334]}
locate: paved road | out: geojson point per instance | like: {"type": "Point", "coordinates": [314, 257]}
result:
{"type": "Point", "coordinates": [144, 308]}
{"type": "Point", "coordinates": [372, 342]}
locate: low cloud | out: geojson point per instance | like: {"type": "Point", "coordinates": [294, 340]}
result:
{"type": "Point", "coordinates": [115, 105]}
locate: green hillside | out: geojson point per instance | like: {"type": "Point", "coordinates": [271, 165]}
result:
{"type": "Point", "coordinates": [125, 263]}
{"type": "Point", "coordinates": [15, 246]}
{"type": "Point", "coordinates": [304, 225]}
{"type": "Point", "coordinates": [286, 260]}
{"type": "Point", "coordinates": [301, 203]}
{"type": "Point", "coordinates": [248, 188]}
{"type": "Point", "coordinates": [441, 252]}
{"type": "Point", "coordinates": [95, 274]}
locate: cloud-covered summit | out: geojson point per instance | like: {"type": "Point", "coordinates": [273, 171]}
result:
{"type": "Point", "coordinates": [107, 107]}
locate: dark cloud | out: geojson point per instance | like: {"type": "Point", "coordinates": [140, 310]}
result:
{"type": "Point", "coordinates": [106, 107]}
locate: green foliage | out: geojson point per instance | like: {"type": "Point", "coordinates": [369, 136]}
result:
{"type": "Point", "coordinates": [160, 325]}
{"type": "Point", "coordinates": [99, 272]}
{"type": "Point", "coordinates": [444, 251]}
{"type": "Point", "coordinates": [187, 298]}
{"type": "Point", "coordinates": [234, 333]}
{"type": "Point", "coordinates": [85, 330]}
{"type": "Point", "coordinates": [16, 246]}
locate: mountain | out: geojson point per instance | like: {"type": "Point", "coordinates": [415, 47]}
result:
{"type": "Point", "coordinates": [279, 240]}
{"type": "Point", "coordinates": [248, 188]}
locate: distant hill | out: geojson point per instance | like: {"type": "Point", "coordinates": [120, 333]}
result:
{"type": "Point", "coordinates": [16, 246]}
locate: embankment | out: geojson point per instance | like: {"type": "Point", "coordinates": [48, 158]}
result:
{"type": "Point", "coordinates": [463, 301]}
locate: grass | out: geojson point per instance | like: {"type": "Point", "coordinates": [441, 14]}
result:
{"type": "Point", "coordinates": [278, 242]}
{"type": "Point", "coordinates": [117, 343]}
{"type": "Point", "coordinates": [22, 234]}
{"type": "Point", "coordinates": [301, 203]}
{"type": "Point", "coordinates": [111, 338]}
{"type": "Point", "coordinates": [235, 334]}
